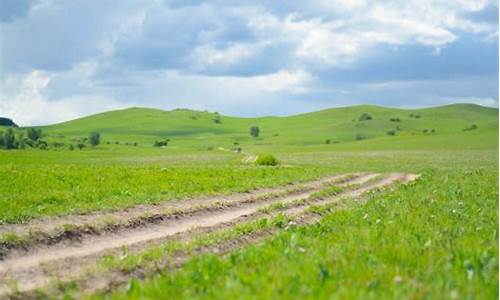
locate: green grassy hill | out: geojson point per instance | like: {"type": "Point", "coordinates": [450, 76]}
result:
{"type": "Point", "coordinates": [197, 130]}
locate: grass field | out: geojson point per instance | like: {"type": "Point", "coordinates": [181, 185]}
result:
{"type": "Point", "coordinates": [436, 238]}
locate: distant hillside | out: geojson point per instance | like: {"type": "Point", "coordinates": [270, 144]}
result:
{"type": "Point", "coordinates": [381, 128]}
{"type": "Point", "coordinates": [7, 122]}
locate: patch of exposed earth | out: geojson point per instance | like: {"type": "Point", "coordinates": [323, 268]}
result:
{"type": "Point", "coordinates": [37, 265]}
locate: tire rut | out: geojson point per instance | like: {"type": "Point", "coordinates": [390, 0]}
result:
{"type": "Point", "coordinates": [55, 231]}
{"type": "Point", "coordinates": [29, 269]}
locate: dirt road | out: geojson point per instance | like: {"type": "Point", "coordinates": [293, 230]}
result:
{"type": "Point", "coordinates": [51, 256]}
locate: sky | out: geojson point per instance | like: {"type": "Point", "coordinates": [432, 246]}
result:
{"type": "Point", "coordinates": [60, 59]}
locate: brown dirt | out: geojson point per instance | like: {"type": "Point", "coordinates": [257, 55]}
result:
{"type": "Point", "coordinates": [38, 266]}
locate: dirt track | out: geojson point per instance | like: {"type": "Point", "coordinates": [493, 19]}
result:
{"type": "Point", "coordinates": [37, 264]}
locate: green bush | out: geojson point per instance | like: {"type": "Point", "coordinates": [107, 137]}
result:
{"type": "Point", "coordinates": [255, 131]}
{"type": "Point", "coordinates": [365, 117]}
{"type": "Point", "coordinates": [359, 137]}
{"type": "Point", "coordinates": [391, 132]}
{"type": "Point", "coordinates": [95, 138]}
{"type": "Point", "coordinates": [266, 160]}
{"type": "Point", "coordinates": [163, 143]}
{"type": "Point", "coordinates": [472, 127]}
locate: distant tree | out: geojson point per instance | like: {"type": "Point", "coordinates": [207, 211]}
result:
{"type": "Point", "coordinates": [71, 147]}
{"type": "Point", "coordinates": [328, 141]}
{"type": "Point", "coordinates": [95, 138]}
{"type": "Point", "coordinates": [42, 145]}
{"type": "Point", "coordinates": [472, 127]}
{"type": "Point", "coordinates": [254, 131]}
{"type": "Point", "coordinates": [9, 139]}
{"type": "Point", "coordinates": [80, 146]}
{"type": "Point", "coordinates": [391, 132]}
{"type": "Point", "coordinates": [359, 137]}
{"type": "Point", "coordinates": [34, 134]}
{"type": "Point", "coordinates": [7, 122]}
{"type": "Point", "coordinates": [365, 117]}
{"type": "Point", "coordinates": [395, 119]}
{"type": "Point", "coordinates": [22, 140]}
{"type": "Point", "coordinates": [163, 143]}
{"type": "Point", "coordinates": [217, 119]}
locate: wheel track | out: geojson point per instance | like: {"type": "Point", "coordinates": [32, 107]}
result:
{"type": "Point", "coordinates": [30, 272]}
{"type": "Point", "coordinates": [53, 230]}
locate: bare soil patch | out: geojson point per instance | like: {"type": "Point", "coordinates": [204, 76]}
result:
{"type": "Point", "coordinates": [38, 266]}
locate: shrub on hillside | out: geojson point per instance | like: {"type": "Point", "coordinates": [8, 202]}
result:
{"type": "Point", "coordinates": [34, 134]}
{"type": "Point", "coordinates": [95, 138]}
{"type": "Point", "coordinates": [266, 160]}
{"type": "Point", "coordinates": [43, 145]}
{"type": "Point", "coordinates": [391, 132]}
{"type": "Point", "coordinates": [395, 119]}
{"type": "Point", "coordinates": [359, 137]}
{"type": "Point", "coordinates": [217, 119]}
{"type": "Point", "coordinates": [254, 131]}
{"type": "Point", "coordinates": [9, 139]}
{"type": "Point", "coordinates": [163, 143]}
{"type": "Point", "coordinates": [472, 127]}
{"type": "Point", "coordinates": [365, 117]}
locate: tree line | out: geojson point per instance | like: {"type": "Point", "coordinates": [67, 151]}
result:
{"type": "Point", "coordinates": [32, 138]}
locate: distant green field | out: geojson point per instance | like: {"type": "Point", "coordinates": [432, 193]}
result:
{"type": "Point", "coordinates": [197, 130]}
{"type": "Point", "coordinates": [435, 239]}
{"type": "Point", "coordinates": [198, 159]}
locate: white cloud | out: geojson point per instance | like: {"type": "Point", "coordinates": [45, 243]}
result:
{"type": "Point", "coordinates": [208, 55]}
{"type": "Point", "coordinates": [154, 54]}
{"type": "Point", "coordinates": [26, 104]}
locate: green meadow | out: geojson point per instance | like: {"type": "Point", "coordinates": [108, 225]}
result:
{"type": "Point", "coordinates": [434, 239]}
{"type": "Point", "coordinates": [200, 158]}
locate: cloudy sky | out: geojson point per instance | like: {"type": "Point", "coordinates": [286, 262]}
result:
{"type": "Point", "coordinates": [63, 59]}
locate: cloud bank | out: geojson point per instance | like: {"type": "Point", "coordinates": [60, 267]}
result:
{"type": "Point", "coordinates": [64, 59]}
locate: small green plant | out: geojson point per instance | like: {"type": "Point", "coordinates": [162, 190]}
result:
{"type": "Point", "coordinates": [472, 127]}
{"type": "Point", "coordinates": [95, 138]}
{"type": "Point", "coordinates": [216, 119]}
{"type": "Point", "coordinates": [34, 134]}
{"type": "Point", "coordinates": [255, 131]}
{"type": "Point", "coordinates": [365, 117]}
{"type": "Point", "coordinates": [391, 132]}
{"type": "Point", "coordinates": [163, 143]}
{"type": "Point", "coordinates": [328, 141]}
{"type": "Point", "coordinates": [266, 160]}
{"type": "Point", "coordinates": [359, 137]}
{"type": "Point", "coordinates": [395, 119]}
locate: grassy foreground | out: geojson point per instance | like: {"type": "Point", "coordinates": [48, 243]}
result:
{"type": "Point", "coordinates": [434, 239]}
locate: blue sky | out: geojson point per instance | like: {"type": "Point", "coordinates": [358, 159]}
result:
{"type": "Point", "coordinates": [63, 59]}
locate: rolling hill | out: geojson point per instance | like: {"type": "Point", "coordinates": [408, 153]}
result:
{"type": "Point", "coordinates": [452, 126]}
